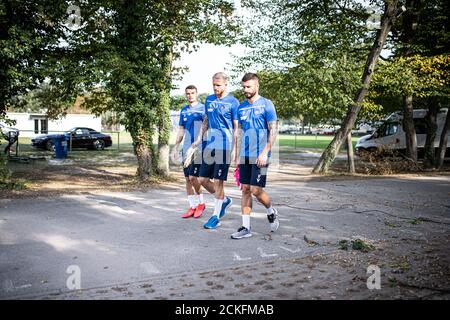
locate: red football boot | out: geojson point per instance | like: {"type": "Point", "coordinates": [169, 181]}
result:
{"type": "Point", "coordinates": [199, 210]}
{"type": "Point", "coordinates": [189, 213]}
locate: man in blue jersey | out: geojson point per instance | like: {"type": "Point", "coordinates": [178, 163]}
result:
{"type": "Point", "coordinates": [256, 136]}
{"type": "Point", "coordinates": [191, 119]}
{"type": "Point", "coordinates": [219, 123]}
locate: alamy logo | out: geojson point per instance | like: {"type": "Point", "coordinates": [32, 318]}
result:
{"type": "Point", "coordinates": [74, 280]}
{"type": "Point", "coordinates": [374, 280]}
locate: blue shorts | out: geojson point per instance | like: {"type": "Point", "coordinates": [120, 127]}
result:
{"type": "Point", "coordinates": [250, 173]}
{"type": "Point", "coordinates": [215, 164]}
{"type": "Point", "coordinates": [192, 170]}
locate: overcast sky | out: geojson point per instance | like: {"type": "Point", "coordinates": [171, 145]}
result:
{"type": "Point", "coordinates": [203, 63]}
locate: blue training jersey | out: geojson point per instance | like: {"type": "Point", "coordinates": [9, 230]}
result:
{"type": "Point", "coordinates": [191, 118]}
{"type": "Point", "coordinates": [254, 119]}
{"type": "Point", "coordinates": [221, 113]}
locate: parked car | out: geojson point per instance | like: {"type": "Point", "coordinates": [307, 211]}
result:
{"type": "Point", "coordinates": [79, 137]}
{"type": "Point", "coordinates": [390, 134]}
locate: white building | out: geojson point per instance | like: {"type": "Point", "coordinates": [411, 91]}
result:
{"type": "Point", "coordinates": [33, 124]}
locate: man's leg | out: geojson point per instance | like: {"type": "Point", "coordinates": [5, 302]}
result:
{"type": "Point", "coordinates": [207, 184]}
{"type": "Point", "coordinates": [195, 184]}
{"type": "Point", "coordinates": [272, 213]}
{"type": "Point", "coordinates": [200, 203]}
{"type": "Point", "coordinates": [219, 197]}
{"type": "Point", "coordinates": [261, 195]}
{"type": "Point", "coordinates": [189, 187]}
{"type": "Point", "coordinates": [218, 187]}
{"type": "Point", "coordinates": [221, 203]}
{"type": "Point", "coordinates": [191, 197]}
{"type": "Point", "coordinates": [258, 182]}
{"type": "Point", "coordinates": [246, 201]}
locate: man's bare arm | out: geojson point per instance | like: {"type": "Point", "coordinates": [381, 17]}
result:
{"type": "Point", "coordinates": [237, 141]}
{"type": "Point", "coordinates": [203, 129]}
{"type": "Point", "coordinates": [273, 132]}
{"type": "Point", "coordinates": [178, 140]}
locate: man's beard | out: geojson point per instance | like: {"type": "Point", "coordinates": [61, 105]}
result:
{"type": "Point", "coordinates": [250, 95]}
{"type": "Point", "coordinates": [219, 92]}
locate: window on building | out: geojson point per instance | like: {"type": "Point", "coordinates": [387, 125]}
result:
{"type": "Point", "coordinates": [44, 125]}
{"type": "Point", "coordinates": [41, 126]}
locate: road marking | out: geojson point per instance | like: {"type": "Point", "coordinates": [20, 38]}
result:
{"type": "Point", "coordinates": [238, 258]}
{"type": "Point", "coordinates": [290, 250]}
{"type": "Point", "coordinates": [24, 286]}
{"type": "Point", "coordinates": [8, 286]}
{"type": "Point", "coordinates": [266, 255]}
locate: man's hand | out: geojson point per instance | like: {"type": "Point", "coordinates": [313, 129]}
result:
{"type": "Point", "coordinates": [261, 161]}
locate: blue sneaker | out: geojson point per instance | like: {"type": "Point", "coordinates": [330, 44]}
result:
{"type": "Point", "coordinates": [212, 223]}
{"type": "Point", "coordinates": [226, 203]}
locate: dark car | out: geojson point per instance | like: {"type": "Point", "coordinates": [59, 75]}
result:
{"type": "Point", "coordinates": [79, 137]}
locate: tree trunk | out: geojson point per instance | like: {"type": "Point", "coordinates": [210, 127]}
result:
{"type": "Point", "coordinates": [332, 149]}
{"type": "Point", "coordinates": [350, 157]}
{"type": "Point", "coordinates": [407, 38]}
{"type": "Point", "coordinates": [408, 127]}
{"type": "Point", "coordinates": [443, 142]}
{"type": "Point", "coordinates": [143, 148]}
{"type": "Point", "coordinates": [431, 120]}
{"type": "Point", "coordinates": [164, 114]}
{"type": "Point", "coordinates": [164, 134]}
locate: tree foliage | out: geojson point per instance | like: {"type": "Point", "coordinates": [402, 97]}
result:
{"type": "Point", "coordinates": [310, 55]}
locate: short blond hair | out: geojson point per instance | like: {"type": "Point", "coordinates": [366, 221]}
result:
{"type": "Point", "coordinates": [221, 75]}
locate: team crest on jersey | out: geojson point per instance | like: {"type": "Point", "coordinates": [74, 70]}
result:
{"type": "Point", "coordinates": [258, 111]}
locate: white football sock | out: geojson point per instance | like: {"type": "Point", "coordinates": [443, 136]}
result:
{"type": "Point", "coordinates": [191, 200]}
{"type": "Point", "coordinates": [246, 221]}
{"type": "Point", "coordinates": [200, 198]}
{"type": "Point", "coordinates": [217, 206]}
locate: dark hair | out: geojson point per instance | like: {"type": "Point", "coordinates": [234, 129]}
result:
{"type": "Point", "coordinates": [250, 76]}
{"type": "Point", "coordinates": [191, 87]}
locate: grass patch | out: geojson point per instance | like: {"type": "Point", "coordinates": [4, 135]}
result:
{"type": "Point", "coordinates": [343, 244]}
{"type": "Point", "coordinates": [390, 224]}
{"type": "Point", "coordinates": [307, 141]}
{"type": "Point", "coordinates": [359, 244]}
{"type": "Point", "coordinates": [356, 244]}
{"type": "Point", "coordinates": [403, 266]}
{"type": "Point", "coordinates": [13, 185]}
{"type": "Point", "coordinates": [416, 221]}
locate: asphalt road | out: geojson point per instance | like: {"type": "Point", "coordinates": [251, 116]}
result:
{"type": "Point", "coordinates": [135, 245]}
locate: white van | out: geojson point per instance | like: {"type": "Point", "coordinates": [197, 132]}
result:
{"type": "Point", "coordinates": [390, 134]}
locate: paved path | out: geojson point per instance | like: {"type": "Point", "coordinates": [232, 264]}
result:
{"type": "Point", "coordinates": [135, 245]}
